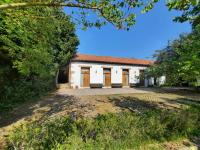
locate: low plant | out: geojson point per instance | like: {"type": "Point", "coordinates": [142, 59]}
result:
{"type": "Point", "coordinates": [125, 130]}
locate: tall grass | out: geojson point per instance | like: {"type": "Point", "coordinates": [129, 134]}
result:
{"type": "Point", "coordinates": [125, 130]}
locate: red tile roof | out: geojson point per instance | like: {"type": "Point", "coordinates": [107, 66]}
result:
{"type": "Point", "coordinates": [109, 59]}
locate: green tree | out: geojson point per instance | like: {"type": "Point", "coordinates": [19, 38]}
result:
{"type": "Point", "coordinates": [119, 13]}
{"type": "Point", "coordinates": [34, 43]}
{"type": "Point", "coordinates": [180, 61]}
{"type": "Point", "coordinates": [188, 49]}
{"type": "Point", "coordinates": [192, 14]}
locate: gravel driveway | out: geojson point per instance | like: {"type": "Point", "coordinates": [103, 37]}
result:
{"type": "Point", "coordinates": [103, 91]}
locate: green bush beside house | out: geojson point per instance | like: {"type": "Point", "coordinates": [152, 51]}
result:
{"type": "Point", "coordinates": [34, 43]}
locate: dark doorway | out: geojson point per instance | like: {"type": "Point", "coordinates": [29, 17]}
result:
{"type": "Point", "coordinates": [141, 78]}
{"type": "Point", "coordinates": [63, 76]}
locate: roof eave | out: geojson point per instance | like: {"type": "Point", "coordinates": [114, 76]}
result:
{"type": "Point", "coordinates": [111, 62]}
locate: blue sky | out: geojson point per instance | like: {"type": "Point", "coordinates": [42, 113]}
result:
{"type": "Point", "coordinates": [152, 32]}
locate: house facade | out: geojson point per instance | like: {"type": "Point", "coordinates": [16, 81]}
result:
{"type": "Point", "coordinates": [89, 71]}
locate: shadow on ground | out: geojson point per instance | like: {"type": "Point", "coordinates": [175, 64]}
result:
{"type": "Point", "coordinates": [64, 104]}
{"type": "Point", "coordinates": [49, 106]}
{"type": "Point", "coordinates": [133, 103]}
{"type": "Point", "coordinates": [173, 90]}
{"type": "Point", "coordinates": [136, 104]}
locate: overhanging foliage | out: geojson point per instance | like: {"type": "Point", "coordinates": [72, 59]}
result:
{"type": "Point", "coordinates": [120, 13]}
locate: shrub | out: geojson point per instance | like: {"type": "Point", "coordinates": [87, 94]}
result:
{"type": "Point", "coordinates": [32, 49]}
{"type": "Point", "coordinates": [19, 91]}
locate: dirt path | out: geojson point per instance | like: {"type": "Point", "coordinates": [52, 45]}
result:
{"type": "Point", "coordinates": [57, 104]}
{"type": "Point", "coordinates": [104, 91]}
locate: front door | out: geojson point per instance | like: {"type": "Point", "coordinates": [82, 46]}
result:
{"type": "Point", "coordinates": [107, 77]}
{"type": "Point", "coordinates": [85, 77]}
{"type": "Point", "coordinates": [125, 77]}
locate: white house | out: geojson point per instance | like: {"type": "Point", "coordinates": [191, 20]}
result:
{"type": "Point", "coordinates": [89, 71]}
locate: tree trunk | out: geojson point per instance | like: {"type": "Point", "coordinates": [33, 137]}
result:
{"type": "Point", "coordinates": [56, 78]}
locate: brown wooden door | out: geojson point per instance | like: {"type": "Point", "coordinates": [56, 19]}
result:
{"type": "Point", "coordinates": [85, 75]}
{"type": "Point", "coordinates": [125, 77]}
{"type": "Point", "coordinates": [107, 77]}
{"type": "Point", "coordinates": [141, 77]}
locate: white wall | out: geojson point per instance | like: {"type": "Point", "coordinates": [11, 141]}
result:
{"type": "Point", "coordinates": [151, 81]}
{"type": "Point", "coordinates": [161, 80]}
{"type": "Point", "coordinates": [96, 73]}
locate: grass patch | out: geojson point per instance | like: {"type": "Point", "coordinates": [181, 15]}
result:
{"type": "Point", "coordinates": [125, 130]}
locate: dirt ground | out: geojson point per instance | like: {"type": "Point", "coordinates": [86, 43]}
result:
{"type": "Point", "coordinates": [103, 91]}
{"type": "Point", "coordinates": [56, 105]}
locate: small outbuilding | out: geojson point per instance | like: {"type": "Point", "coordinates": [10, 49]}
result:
{"type": "Point", "coordinates": [90, 71]}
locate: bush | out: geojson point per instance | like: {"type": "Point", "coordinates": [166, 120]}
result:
{"type": "Point", "coordinates": [124, 130]}
{"type": "Point", "coordinates": [19, 91]}
{"type": "Point", "coordinates": [31, 51]}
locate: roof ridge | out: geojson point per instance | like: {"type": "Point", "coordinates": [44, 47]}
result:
{"type": "Point", "coordinates": [111, 59]}
{"type": "Point", "coordinates": [115, 57]}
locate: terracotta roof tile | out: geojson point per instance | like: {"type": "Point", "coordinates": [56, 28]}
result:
{"type": "Point", "coordinates": [109, 59]}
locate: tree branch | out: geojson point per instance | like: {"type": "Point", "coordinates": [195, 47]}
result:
{"type": "Point", "coordinates": [22, 5]}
